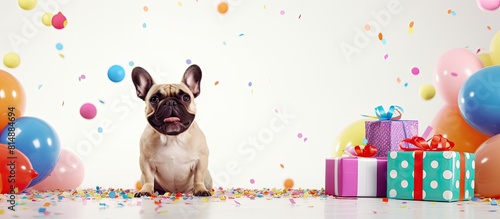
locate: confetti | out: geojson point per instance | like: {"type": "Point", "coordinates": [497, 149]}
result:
{"type": "Point", "coordinates": [374, 212]}
{"type": "Point", "coordinates": [252, 181]}
{"type": "Point", "coordinates": [367, 27]}
{"type": "Point", "coordinates": [282, 12]}
{"type": "Point", "coordinates": [385, 200]}
{"type": "Point", "coordinates": [492, 210]}
{"type": "Point", "coordinates": [241, 34]}
{"type": "Point", "coordinates": [188, 61]}
{"type": "Point", "coordinates": [380, 36]}
{"type": "Point", "coordinates": [305, 139]}
{"type": "Point", "coordinates": [83, 76]}
{"type": "Point", "coordinates": [250, 84]}
{"type": "Point", "coordinates": [489, 28]}
{"type": "Point", "coordinates": [410, 30]}
{"type": "Point", "coordinates": [63, 103]}
{"type": "Point", "coordinates": [145, 8]}
{"type": "Point", "coordinates": [59, 46]}
{"type": "Point", "coordinates": [398, 80]}
{"type": "Point", "coordinates": [47, 204]}
{"type": "Point", "coordinates": [494, 202]}
{"type": "Point", "coordinates": [299, 135]}
{"type": "Point", "coordinates": [61, 55]}
{"type": "Point", "coordinates": [292, 201]}
{"type": "Point", "coordinates": [415, 71]}
{"type": "Point", "coordinates": [406, 84]}
{"type": "Point", "coordinates": [478, 50]}
{"type": "Point", "coordinates": [386, 56]}
{"type": "Point", "coordinates": [222, 7]}
{"type": "Point", "coordinates": [454, 74]}
{"type": "Point", "coordinates": [427, 131]}
{"type": "Point", "coordinates": [179, 4]}
{"type": "Point", "coordinates": [131, 63]}
{"type": "Point", "coordinates": [99, 129]}
{"type": "Point", "coordinates": [41, 210]}
{"type": "Point", "coordinates": [411, 24]}
{"type": "Point", "coordinates": [384, 41]}
{"type": "Point", "coordinates": [144, 25]}
{"type": "Point", "coordinates": [204, 199]}
{"type": "Point", "coordinates": [282, 166]}
{"type": "Point", "coordinates": [237, 202]}
{"type": "Point", "coordinates": [288, 183]}
{"type": "Point", "coordinates": [39, 86]}
{"type": "Point", "coordinates": [300, 16]}
{"type": "Point", "coordinates": [84, 201]}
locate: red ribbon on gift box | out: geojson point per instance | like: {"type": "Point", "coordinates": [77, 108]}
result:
{"type": "Point", "coordinates": [437, 143]}
{"type": "Point", "coordinates": [367, 151]}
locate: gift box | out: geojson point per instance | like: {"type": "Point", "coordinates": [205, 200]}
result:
{"type": "Point", "coordinates": [356, 176]}
{"type": "Point", "coordinates": [386, 134]}
{"type": "Point", "coordinates": [430, 173]}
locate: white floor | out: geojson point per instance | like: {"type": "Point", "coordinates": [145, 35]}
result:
{"type": "Point", "coordinates": [244, 207]}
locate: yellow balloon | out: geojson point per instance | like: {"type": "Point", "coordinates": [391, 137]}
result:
{"type": "Point", "coordinates": [485, 59]}
{"type": "Point", "coordinates": [352, 135]}
{"type": "Point", "coordinates": [47, 19]}
{"type": "Point", "coordinates": [495, 49]}
{"type": "Point", "coordinates": [27, 4]}
{"type": "Point", "coordinates": [427, 91]}
{"type": "Point", "coordinates": [11, 60]}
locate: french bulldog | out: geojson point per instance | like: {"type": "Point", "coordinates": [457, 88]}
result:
{"type": "Point", "coordinates": [173, 149]}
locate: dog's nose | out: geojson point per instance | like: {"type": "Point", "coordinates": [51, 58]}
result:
{"type": "Point", "coordinates": [170, 103]}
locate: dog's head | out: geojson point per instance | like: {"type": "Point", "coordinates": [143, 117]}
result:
{"type": "Point", "coordinates": [170, 108]}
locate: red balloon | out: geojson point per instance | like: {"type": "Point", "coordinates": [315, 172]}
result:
{"type": "Point", "coordinates": [450, 123]}
{"type": "Point", "coordinates": [15, 170]}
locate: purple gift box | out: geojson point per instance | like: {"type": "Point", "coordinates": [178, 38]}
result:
{"type": "Point", "coordinates": [353, 176]}
{"type": "Point", "coordinates": [386, 134]}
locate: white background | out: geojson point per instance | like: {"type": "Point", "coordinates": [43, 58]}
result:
{"type": "Point", "coordinates": [294, 61]}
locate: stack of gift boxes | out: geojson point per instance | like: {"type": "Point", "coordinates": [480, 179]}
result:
{"type": "Point", "coordinates": [405, 165]}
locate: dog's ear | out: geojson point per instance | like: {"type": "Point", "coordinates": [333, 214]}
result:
{"type": "Point", "coordinates": [142, 82]}
{"type": "Point", "coordinates": [192, 78]}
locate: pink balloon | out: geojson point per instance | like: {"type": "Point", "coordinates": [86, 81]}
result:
{"type": "Point", "coordinates": [489, 5]}
{"type": "Point", "coordinates": [452, 70]}
{"type": "Point", "coordinates": [67, 175]}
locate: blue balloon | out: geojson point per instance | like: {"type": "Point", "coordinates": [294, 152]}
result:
{"type": "Point", "coordinates": [116, 73]}
{"type": "Point", "coordinates": [37, 140]}
{"type": "Point", "coordinates": [479, 100]}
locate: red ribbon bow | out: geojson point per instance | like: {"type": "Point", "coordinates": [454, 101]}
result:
{"type": "Point", "coordinates": [366, 151]}
{"type": "Point", "coordinates": [437, 143]}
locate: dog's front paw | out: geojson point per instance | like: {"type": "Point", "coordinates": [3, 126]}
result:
{"type": "Point", "coordinates": [142, 194]}
{"type": "Point", "coordinates": [202, 193]}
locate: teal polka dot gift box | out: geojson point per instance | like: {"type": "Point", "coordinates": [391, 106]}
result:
{"type": "Point", "coordinates": [430, 172]}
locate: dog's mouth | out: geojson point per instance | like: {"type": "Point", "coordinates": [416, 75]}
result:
{"type": "Point", "coordinates": [171, 119]}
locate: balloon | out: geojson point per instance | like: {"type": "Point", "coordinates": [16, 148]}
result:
{"type": "Point", "coordinates": [452, 70]}
{"type": "Point", "coordinates": [47, 19]}
{"type": "Point", "coordinates": [27, 4]}
{"type": "Point", "coordinates": [485, 59]}
{"type": "Point", "coordinates": [487, 162]}
{"type": "Point", "coordinates": [489, 5]}
{"type": "Point", "coordinates": [11, 60]}
{"type": "Point", "coordinates": [22, 173]}
{"type": "Point", "coordinates": [479, 100]}
{"type": "Point", "coordinates": [427, 91]}
{"type": "Point", "coordinates": [37, 140]}
{"type": "Point", "coordinates": [12, 98]}
{"type": "Point", "coordinates": [116, 73]}
{"type": "Point", "coordinates": [352, 135]}
{"type": "Point", "coordinates": [495, 49]}
{"type": "Point", "coordinates": [88, 111]}
{"type": "Point", "coordinates": [67, 175]}
{"type": "Point", "coordinates": [452, 125]}
{"type": "Point", "coordinates": [59, 21]}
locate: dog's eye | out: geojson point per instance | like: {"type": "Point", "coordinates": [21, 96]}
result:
{"type": "Point", "coordinates": [186, 97]}
{"type": "Point", "coordinates": [154, 99]}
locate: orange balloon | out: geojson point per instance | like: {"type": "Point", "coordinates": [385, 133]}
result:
{"type": "Point", "coordinates": [12, 98]}
{"type": "Point", "coordinates": [450, 123]}
{"type": "Point", "coordinates": [222, 7]}
{"type": "Point", "coordinates": [487, 162]}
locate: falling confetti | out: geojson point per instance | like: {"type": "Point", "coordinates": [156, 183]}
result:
{"type": "Point", "coordinates": [61, 55]}
{"type": "Point", "coordinates": [59, 46]}
{"type": "Point", "coordinates": [252, 181]}
{"type": "Point", "coordinates": [452, 12]}
{"type": "Point", "coordinates": [99, 130]}
{"type": "Point", "coordinates": [489, 28]}
{"type": "Point", "coordinates": [265, 7]}
{"type": "Point", "coordinates": [299, 135]}
{"type": "Point", "coordinates": [385, 200]}
{"type": "Point", "coordinates": [292, 201]}
{"type": "Point", "coordinates": [300, 15]}
{"type": "Point", "coordinates": [250, 84]}
{"type": "Point", "coordinates": [216, 83]}
{"type": "Point", "coordinates": [241, 34]}
{"type": "Point", "coordinates": [188, 61]}
{"type": "Point", "coordinates": [398, 80]}
{"type": "Point", "coordinates": [179, 4]}
{"type": "Point", "coordinates": [411, 24]}
{"type": "Point", "coordinates": [39, 86]}
{"type": "Point", "coordinates": [101, 101]}
{"type": "Point", "coordinates": [282, 12]}
{"type": "Point", "coordinates": [478, 50]}
{"type": "Point", "coordinates": [144, 25]}
{"type": "Point", "coordinates": [380, 36]}
{"type": "Point", "coordinates": [454, 74]}
{"type": "Point", "coordinates": [386, 56]}
{"type": "Point", "coordinates": [282, 166]}
{"type": "Point", "coordinates": [83, 76]}
{"type": "Point", "coordinates": [367, 27]}
{"type": "Point", "coordinates": [406, 84]}
{"type": "Point", "coordinates": [415, 71]}
{"type": "Point", "coordinates": [364, 141]}
{"type": "Point", "coordinates": [145, 8]}
{"type": "Point", "coordinates": [384, 41]}
{"type": "Point", "coordinates": [63, 103]}
{"type": "Point", "coordinates": [131, 63]}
